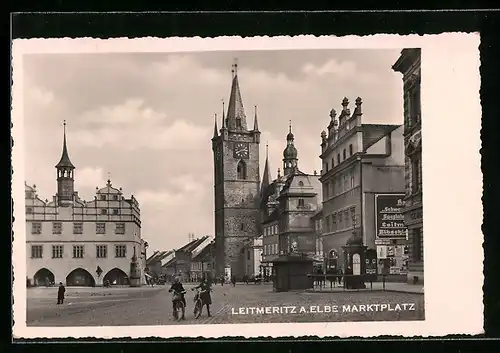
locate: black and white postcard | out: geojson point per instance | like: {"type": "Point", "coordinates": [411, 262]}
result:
{"type": "Point", "coordinates": [277, 187]}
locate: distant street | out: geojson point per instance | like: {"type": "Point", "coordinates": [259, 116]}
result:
{"type": "Point", "coordinates": [251, 303]}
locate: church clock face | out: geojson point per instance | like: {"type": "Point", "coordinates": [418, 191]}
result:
{"type": "Point", "coordinates": [240, 150]}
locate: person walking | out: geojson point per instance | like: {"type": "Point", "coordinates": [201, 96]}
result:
{"type": "Point", "coordinates": [206, 298]}
{"type": "Point", "coordinates": [60, 293]}
{"type": "Point", "coordinates": [233, 280]}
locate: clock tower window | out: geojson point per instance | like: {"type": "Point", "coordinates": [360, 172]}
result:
{"type": "Point", "coordinates": [241, 170]}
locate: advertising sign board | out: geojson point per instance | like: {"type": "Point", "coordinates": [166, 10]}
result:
{"type": "Point", "coordinates": [389, 219]}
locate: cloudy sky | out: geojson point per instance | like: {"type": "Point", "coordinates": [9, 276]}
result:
{"type": "Point", "coordinates": [147, 120]}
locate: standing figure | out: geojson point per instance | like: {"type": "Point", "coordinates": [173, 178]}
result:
{"type": "Point", "coordinates": [206, 298]}
{"type": "Point", "coordinates": [60, 293]}
{"type": "Point", "coordinates": [222, 280]}
{"type": "Point", "coordinates": [233, 280]}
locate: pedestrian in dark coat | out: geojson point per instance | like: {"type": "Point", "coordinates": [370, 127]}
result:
{"type": "Point", "coordinates": [206, 298]}
{"type": "Point", "coordinates": [60, 293]}
{"type": "Point", "coordinates": [233, 280]}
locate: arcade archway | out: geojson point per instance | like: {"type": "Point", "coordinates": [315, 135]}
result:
{"type": "Point", "coordinates": [43, 277]}
{"type": "Point", "coordinates": [116, 277]}
{"type": "Point", "coordinates": [80, 277]}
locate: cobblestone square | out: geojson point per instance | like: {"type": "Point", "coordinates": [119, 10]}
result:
{"type": "Point", "coordinates": [239, 304]}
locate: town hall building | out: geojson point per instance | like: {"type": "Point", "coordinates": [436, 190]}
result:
{"type": "Point", "coordinates": [83, 243]}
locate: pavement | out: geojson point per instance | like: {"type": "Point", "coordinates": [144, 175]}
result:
{"type": "Point", "coordinates": [252, 303]}
{"type": "Point", "coordinates": [400, 287]}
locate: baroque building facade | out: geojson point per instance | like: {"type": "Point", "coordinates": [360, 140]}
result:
{"type": "Point", "coordinates": [83, 243]}
{"type": "Point", "coordinates": [362, 165]}
{"type": "Point", "coordinates": [288, 205]}
{"type": "Point", "coordinates": [409, 65]}
{"type": "Point", "coordinates": [236, 184]}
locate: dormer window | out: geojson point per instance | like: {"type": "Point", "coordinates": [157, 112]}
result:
{"type": "Point", "coordinates": [115, 197]}
{"type": "Point", "coordinates": [238, 123]}
{"type": "Point", "coordinates": [102, 197]}
{"type": "Point", "coordinates": [104, 211]}
{"type": "Point", "coordinates": [301, 183]}
{"type": "Point", "coordinates": [301, 203]}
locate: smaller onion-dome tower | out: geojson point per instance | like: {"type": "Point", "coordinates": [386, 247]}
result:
{"type": "Point", "coordinates": [290, 153]}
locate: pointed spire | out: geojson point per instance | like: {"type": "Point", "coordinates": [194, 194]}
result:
{"type": "Point", "coordinates": [236, 119]}
{"type": "Point", "coordinates": [266, 178]}
{"type": "Point", "coordinates": [65, 162]}
{"type": "Point", "coordinates": [255, 121]}
{"type": "Point", "coordinates": [290, 136]}
{"type": "Point", "coordinates": [216, 131]}
{"type": "Point", "coordinates": [223, 115]}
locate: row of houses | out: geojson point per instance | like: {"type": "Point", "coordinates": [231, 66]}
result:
{"type": "Point", "coordinates": [190, 263]}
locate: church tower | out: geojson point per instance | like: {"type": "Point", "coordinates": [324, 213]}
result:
{"type": "Point", "coordinates": [236, 183]}
{"type": "Point", "coordinates": [65, 176]}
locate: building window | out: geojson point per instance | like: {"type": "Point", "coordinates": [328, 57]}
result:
{"type": "Point", "coordinates": [78, 228]}
{"type": "Point", "coordinates": [241, 170]}
{"type": "Point", "coordinates": [101, 251]}
{"type": "Point", "coordinates": [100, 228]}
{"type": "Point", "coordinates": [327, 223]}
{"type": "Point", "coordinates": [338, 158]}
{"type": "Point", "coordinates": [339, 184]}
{"type": "Point", "coordinates": [78, 251]}
{"type": "Point", "coordinates": [36, 251]}
{"type": "Point", "coordinates": [115, 211]}
{"type": "Point", "coordinates": [28, 195]}
{"type": "Point", "coordinates": [347, 220]}
{"type": "Point", "coordinates": [326, 190]}
{"type": "Point", "coordinates": [345, 182]}
{"type": "Point", "coordinates": [301, 203]}
{"type": "Point", "coordinates": [350, 150]}
{"type": "Point", "coordinates": [301, 183]}
{"type": "Point", "coordinates": [248, 255]}
{"type": "Point", "coordinates": [339, 219]}
{"type": "Point", "coordinates": [417, 244]}
{"type": "Point", "coordinates": [334, 223]}
{"type": "Point", "coordinates": [120, 250]}
{"type": "Point", "coordinates": [332, 189]}
{"type": "Point", "coordinates": [103, 197]}
{"type": "Point", "coordinates": [343, 154]}
{"type": "Point", "coordinates": [326, 167]}
{"type": "Point", "coordinates": [104, 211]}
{"type": "Point", "coordinates": [36, 228]}
{"type": "Point", "coordinates": [115, 197]}
{"type": "Point", "coordinates": [416, 167]}
{"type": "Point", "coordinates": [57, 251]}
{"type": "Point", "coordinates": [242, 226]}
{"type": "Point", "coordinates": [29, 209]}
{"type": "Point", "coordinates": [56, 227]}
{"type": "Point", "coordinates": [353, 213]}
{"type": "Point", "coordinates": [414, 105]}
{"type": "Point", "coordinates": [238, 123]}
{"type": "Point", "coordinates": [352, 179]}
{"type": "Point", "coordinates": [120, 228]}
{"type": "Point", "coordinates": [333, 162]}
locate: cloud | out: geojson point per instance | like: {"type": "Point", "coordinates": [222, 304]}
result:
{"type": "Point", "coordinates": [133, 125]}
